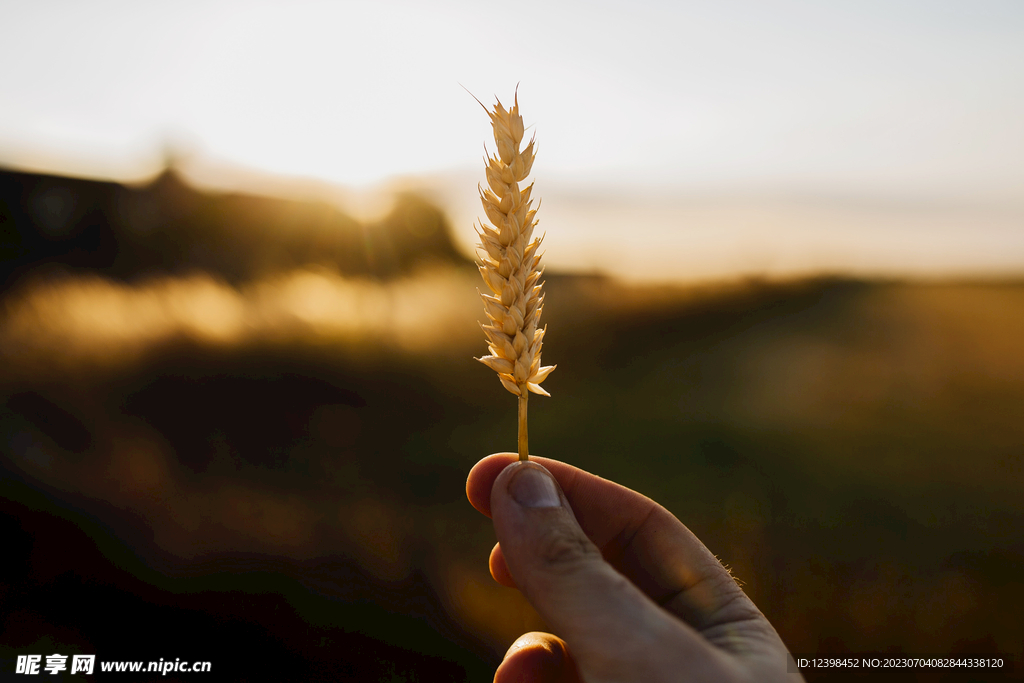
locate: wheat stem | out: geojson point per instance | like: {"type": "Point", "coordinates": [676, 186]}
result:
{"type": "Point", "coordinates": [524, 448]}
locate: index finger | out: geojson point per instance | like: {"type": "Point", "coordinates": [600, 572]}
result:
{"type": "Point", "coordinates": [640, 538]}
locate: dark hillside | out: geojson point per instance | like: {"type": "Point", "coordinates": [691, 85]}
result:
{"type": "Point", "coordinates": [169, 227]}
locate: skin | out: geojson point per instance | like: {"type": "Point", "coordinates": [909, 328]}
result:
{"type": "Point", "coordinates": [632, 593]}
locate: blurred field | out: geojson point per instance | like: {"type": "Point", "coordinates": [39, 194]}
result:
{"type": "Point", "coordinates": [243, 426]}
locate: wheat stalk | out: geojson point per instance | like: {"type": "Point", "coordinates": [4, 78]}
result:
{"type": "Point", "coordinates": [509, 265]}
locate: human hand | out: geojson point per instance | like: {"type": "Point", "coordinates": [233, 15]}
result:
{"type": "Point", "coordinates": [633, 593]}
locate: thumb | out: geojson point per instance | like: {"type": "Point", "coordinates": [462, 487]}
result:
{"type": "Point", "coordinates": [614, 631]}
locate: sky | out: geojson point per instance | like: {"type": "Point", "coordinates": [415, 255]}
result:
{"type": "Point", "coordinates": [779, 103]}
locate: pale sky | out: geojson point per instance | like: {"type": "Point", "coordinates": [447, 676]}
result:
{"type": "Point", "coordinates": [893, 100]}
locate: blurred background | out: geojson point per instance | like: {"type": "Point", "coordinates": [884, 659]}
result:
{"type": "Point", "coordinates": [785, 294]}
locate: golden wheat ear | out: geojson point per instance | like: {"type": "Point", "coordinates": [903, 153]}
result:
{"type": "Point", "coordinates": [510, 265]}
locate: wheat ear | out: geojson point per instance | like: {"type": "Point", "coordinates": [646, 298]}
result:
{"type": "Point", "coordinates": [510, 266]}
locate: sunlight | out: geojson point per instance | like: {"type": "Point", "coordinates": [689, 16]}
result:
{"type": "Point", "coordinates": [87, 321]}
{"type": "Point", "coordinates": [787, 108]}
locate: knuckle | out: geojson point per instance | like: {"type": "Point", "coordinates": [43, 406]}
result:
{"type": "Point", "coordinates": [563, 548]}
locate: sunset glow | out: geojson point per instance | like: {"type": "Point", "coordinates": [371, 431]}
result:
{"type": "Point", "coordinates": [843, 102]}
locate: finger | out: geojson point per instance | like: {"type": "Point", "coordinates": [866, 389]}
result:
{"type": "Point", "coordinates": [538, 658]}
{"type": "Point", "coordinates": [638, 537]}
{"type": "Point", "coordinates": [499, 568]}
{"type": "Point", "coordinates": [613, 629]}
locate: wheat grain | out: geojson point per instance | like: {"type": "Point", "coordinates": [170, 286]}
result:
{"type": "Point", "coordinates": [510, 265]}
